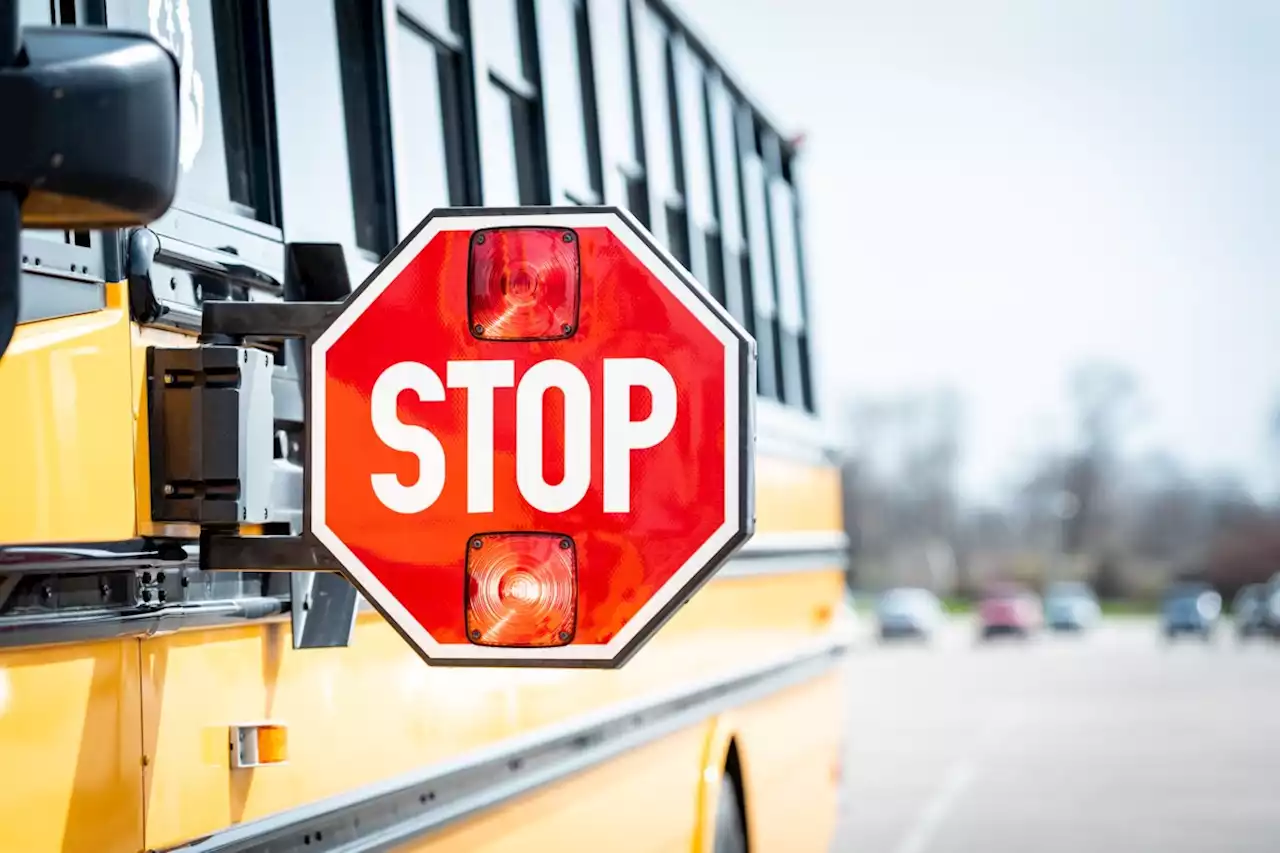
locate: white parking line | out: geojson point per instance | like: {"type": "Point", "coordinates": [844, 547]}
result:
{"type": "Point", "coordinates": [957, 780]}
{"type": "Point", "coordinates": [925, 826]}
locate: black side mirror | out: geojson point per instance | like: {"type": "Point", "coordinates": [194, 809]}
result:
{"type": "Point", "coordinates": [94, 144]}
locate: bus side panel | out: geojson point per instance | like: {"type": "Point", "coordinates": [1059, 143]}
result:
{"type": "Point", "coordinates": [792, 497]}
{"type": "Point", "coordinates": [644, 800]}
{"type": "Point", "coordinates": [141, 339]}
{"type": "Point", "coordinates": [70, 749]}
{"type": "Point", "coordinates": [790, 747]}
{"type": "Point", "coordinates": [373, 710]}
{"type": "Point", "coordinates": [66, 435]}
{"type": "Point", "coordinates": [355, 716]}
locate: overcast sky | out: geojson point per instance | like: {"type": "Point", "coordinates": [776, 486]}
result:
{"type": "Point", "coordinates": [997, 190]}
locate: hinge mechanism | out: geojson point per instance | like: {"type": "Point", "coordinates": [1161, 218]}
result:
{"type": "Point", "coordinates": [211, 442]}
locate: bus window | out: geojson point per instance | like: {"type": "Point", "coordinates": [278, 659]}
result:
{"type": "Point", "coordinates": [667, 208]}
{"type": "Point", "coordinates": [728, 184]}
{"type": "Point", "coordinates": [706, 260]}
{"type": "Point", "coordinates": [367, 120]}
{"type": "Point", "coordinates": [512, 155]}
{"type": "Point", "coordinates": [621, 144]}
{"type": "Point", "coordinates": [791, 319]}
{"type": "Point", "coordinates": [427, 55]}
{"type": "Point", "coordinates": [760, 245]}
{"type": "Point", "coordinates": [422, 178]}
{"type": "Point", "coordinates": [573, 139]}
{"type": "Point", "coordinates": [227, 151]}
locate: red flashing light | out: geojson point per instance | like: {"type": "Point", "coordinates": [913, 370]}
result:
{"type": "Point", "coordinates": [523, 284]}
{"type": "Point", "coordinates": [522, 589]}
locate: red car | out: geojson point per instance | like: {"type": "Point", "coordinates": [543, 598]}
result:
{"type": "Point", "coordinates": [1009, 609]}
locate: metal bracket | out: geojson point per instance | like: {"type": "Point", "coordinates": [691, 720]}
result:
{"type": "Point", "coordinates": [324, 604]}
{"type": "Point", "coordinates": [324, 608]}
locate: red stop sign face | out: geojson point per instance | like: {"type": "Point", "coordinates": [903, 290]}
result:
{"type": "Point", "coordinates": [531, 437]}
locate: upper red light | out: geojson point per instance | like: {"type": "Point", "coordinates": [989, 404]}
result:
{"type": "Point", "coordinates": [523, 284]}
{"type": "Point", "coordinates": [522, 589]}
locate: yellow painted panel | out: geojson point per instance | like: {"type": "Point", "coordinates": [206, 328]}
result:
{"type": "Point", "coordinates": [70, 749]}
{"type": "Point", "coordinates": [374, 710]}
{"type": "Point", "coordinates": [790, 746]}
{"type": "Point", "coordinates": [354, 716]}
{"type": "Point", "coordinates": [142, 338]}
{"type": "Point", "coordinates": [67, 438]}
{"type": "Point", "coordinates": [731, 624]}
{"type": "Point", "coordinates": [643, 800]}
{"type": "Point", "coordinates": [794, 496]}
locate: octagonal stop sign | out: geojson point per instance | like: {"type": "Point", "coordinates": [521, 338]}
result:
{"type": "Point", "coordinates": [532, 437]}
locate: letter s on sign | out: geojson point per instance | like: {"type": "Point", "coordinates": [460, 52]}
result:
{"type": "Point", "coordinates": [395, 496]}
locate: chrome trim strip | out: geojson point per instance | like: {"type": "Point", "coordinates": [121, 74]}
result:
{"type": "Point", "coordinates": [138, 553]}
{"type": "Point", "coordinates": [789, 433]}
{"type": "Point", "coordinates": [764, 555]}
{"type": "Point", "coordinates": [384, 815]}
{"type": "Point", "coordinates": [798, 543]}
{"type": "Point", "coordinates": [784, 565]}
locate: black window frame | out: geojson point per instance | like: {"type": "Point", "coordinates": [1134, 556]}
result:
{"type": "Point", "coordinates": [522, 99]}
{"type": "Point", "coordinates": [246, 86]}
{"type": "Point", "coordinates": [362, 61]}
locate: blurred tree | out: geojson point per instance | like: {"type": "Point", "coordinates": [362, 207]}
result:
{"type": "Point", "coordinates": [901, 481]}
{"type": "Point", "coordinates": [1169, 513]}
{"type": "Point", "coordinates": [1104, 397]}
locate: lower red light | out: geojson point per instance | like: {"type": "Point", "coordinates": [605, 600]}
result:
{"type": "Point", "coordinates": [523, 284]}
{"type": "Point", "coordinates": [522, 589]}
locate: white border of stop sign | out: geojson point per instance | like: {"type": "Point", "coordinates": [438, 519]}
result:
{"type": "Point", "coordinates": [738, 513]}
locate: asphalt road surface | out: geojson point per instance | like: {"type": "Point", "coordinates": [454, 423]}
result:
{"type": "Point", "coordinates": [1113, 741]}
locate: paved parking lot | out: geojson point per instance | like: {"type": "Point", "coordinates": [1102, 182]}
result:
{"type": "Point", "coordinates": [1114, 741]}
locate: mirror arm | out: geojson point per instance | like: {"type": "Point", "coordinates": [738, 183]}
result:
{"type": "Point", "coordinates": [10, 263]}
{"type": "Point", "coordinates": [143, 248]}
{"type": "Point", "coordinates": [10, 33]}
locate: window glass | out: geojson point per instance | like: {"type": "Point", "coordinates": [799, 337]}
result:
{"type": "Point", "coordinates": [566, 66]}
{"type": "Point", "coordinates": [202, 156]}
{"type": "Point", "coordinates": [422, 180]}
{"type": "Point", "coordinates": [758, 233]}
{"type": "Point", "coordinates": [35, 12]}
{"type": "Point", "coordinates": [651, 49]}
{"type": "Point", "coordinates": [787, 260]}
{"type": "Point", "coordinates": [510, 168]}
{"type": "Point", "coordinates": [513, 156]}
{"type": "Point", "coordinates": [690, 78]}
{"type": "Point", "coordinates": [362, 60]}
{"type": "Point", "coordinates": [432, 15]}
{"type": "Point", "coordinates": [611, 58]}
{"type": "Point", "coordinates": [198, 38]}
{"type": "Point", "coordinates": [766, 327]}
{"type": "Point", "coordinates": [501, 23]}
{"type": "Point", "coordinates": [501, 173]}
{"type": "Point", "coordinates": [726, 148]}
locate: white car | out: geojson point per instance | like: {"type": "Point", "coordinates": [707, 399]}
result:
{"type": "Point", "coordinates": [1071, 606]}
{"type": "Point", "coordinates": [908, 612]}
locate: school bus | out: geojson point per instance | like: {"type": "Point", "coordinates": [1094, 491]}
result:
{"type": "Point", "coordinates": [315, 134]}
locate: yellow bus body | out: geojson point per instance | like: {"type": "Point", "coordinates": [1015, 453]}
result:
{"type": "Point", "coordinates": [120, 744]}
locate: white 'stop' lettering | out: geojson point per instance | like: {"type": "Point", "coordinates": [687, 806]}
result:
{"type": "Point", "coordinates": [621, 434]}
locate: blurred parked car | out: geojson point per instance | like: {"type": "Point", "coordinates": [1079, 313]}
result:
{"type": "Point", "coordinates": [1009, 609]}
{"type": "Point", "coordinates": [1249, 610]}
{"type": "Point", "coordinates": [908, 612]}
{"type": "Point", "coordinates": [1270, 607]}
{"type": "Point", "coordinates": [1071, 606]}
{"type": "Point", "coordinates": [1191, 608]}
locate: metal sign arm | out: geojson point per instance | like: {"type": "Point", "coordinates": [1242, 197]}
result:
{"type": "Point", "coordinates": [210, 410]}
